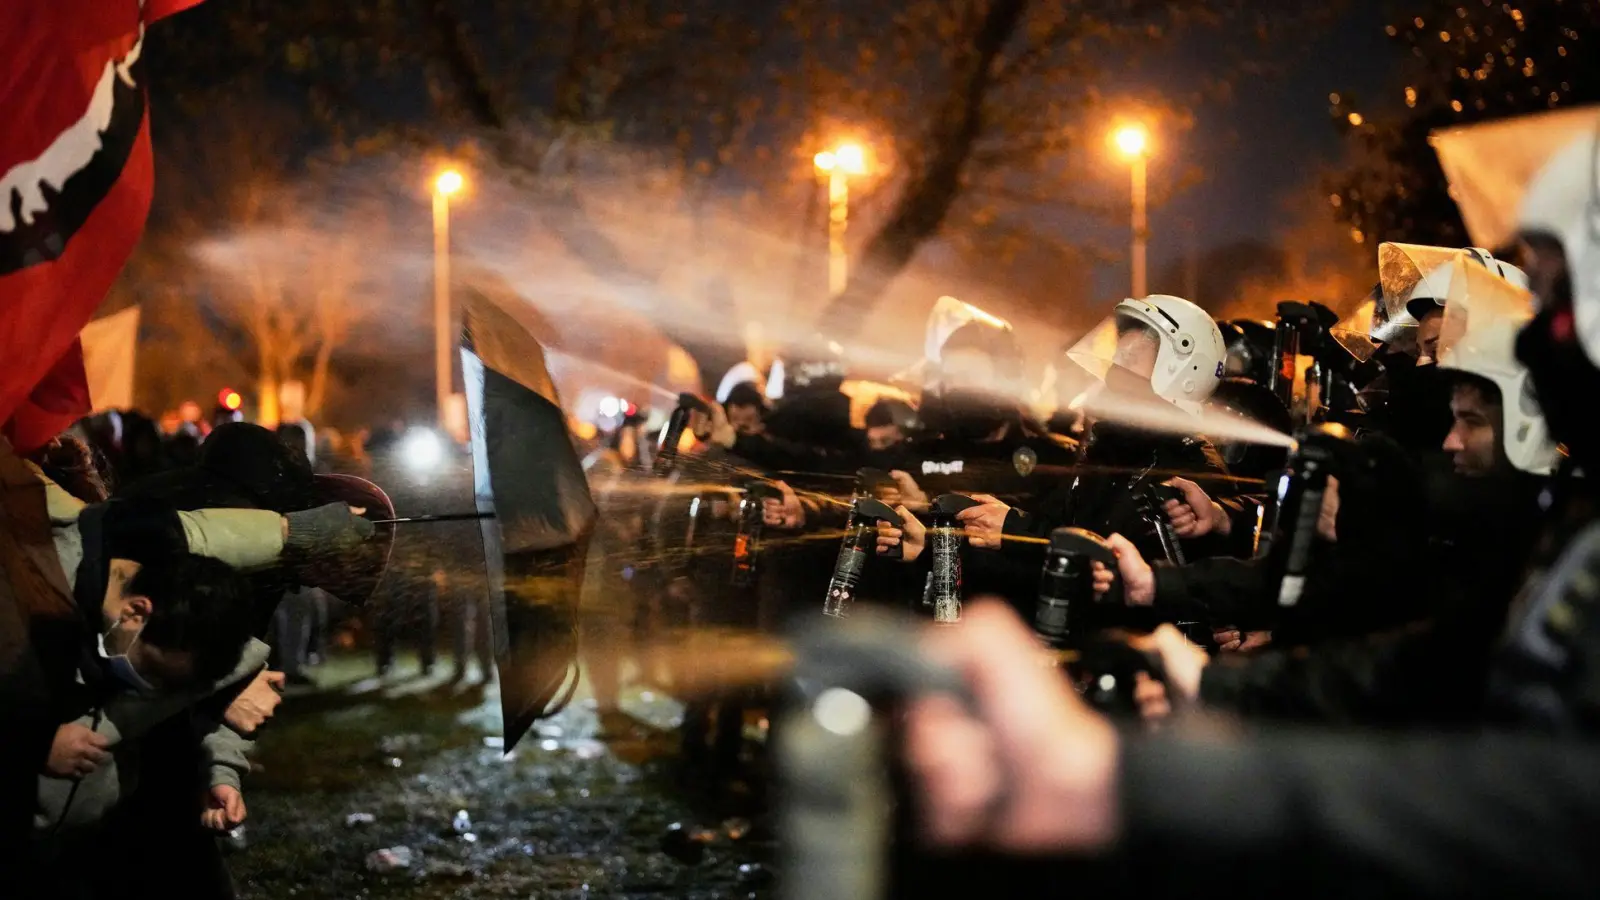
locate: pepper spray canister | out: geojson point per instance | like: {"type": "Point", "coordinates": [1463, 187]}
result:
{"type": "Point", "coordinates": [747, 539]}
{"type": "Point", "coordinates": [1067, 582]}
{"type": "Point", "coordinates": [672, 434]}
{"type": "Point", "coordinates": [945, 540]}
{"type": "Point", "coordinates": [860, 540]}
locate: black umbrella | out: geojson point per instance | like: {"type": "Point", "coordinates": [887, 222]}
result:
{"type": "Point", "coordinates": [526, 474]}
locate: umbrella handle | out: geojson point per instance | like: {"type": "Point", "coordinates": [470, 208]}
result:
{"type": "Point", "coordinates": [446, 517]}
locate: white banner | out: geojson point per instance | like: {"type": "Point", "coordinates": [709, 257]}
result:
{"type": "Point", "coordinates": [109, 349]}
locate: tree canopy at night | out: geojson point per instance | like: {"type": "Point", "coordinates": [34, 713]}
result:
{"type": "Point", "coordinates": [973, 106]}
{"type": "Point", "coordinates": [1469, 60]}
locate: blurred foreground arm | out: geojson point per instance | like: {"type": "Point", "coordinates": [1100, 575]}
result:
{"type": "Point", "coordinates": [1422, 816]}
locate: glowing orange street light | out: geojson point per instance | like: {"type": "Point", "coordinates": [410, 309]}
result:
{"type": "Point", "coordinates": [1134, 143]}
{"type": "Point", "coordinates": [448, 183]}
{"type": "Point", "coordinates": [230, 399]}
{"type": "Point", "coordinates": [838, 165]}
{"type": "Point", "coordinates": [1132, 140]}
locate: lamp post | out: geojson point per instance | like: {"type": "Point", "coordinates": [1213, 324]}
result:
{"type": "Point", "coordinates": [448, 182]}
{"type": "Point", "coordinates": [838, 165]}
{"type": "Point", "coordinates": [1134, 143]}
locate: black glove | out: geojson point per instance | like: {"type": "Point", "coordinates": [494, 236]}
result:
{"type": "Point", "coordinates": [331, 527]}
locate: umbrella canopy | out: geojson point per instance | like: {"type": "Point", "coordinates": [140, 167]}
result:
{"type": "Point", "coordinates": [526, 473]}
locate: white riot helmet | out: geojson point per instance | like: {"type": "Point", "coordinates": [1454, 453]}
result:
{"type": "Point", "coordinates": [1414, 278]}
{"type": "Point", "coordinates": [1190, 360]}
{"type": "Point", "coordinates": [1483, 312]}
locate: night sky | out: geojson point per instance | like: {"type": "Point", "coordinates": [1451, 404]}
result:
{"type": "Point", "coordinates": [1269, 141]}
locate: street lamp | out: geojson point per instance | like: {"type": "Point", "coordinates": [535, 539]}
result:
{"type": "Point", "coordinates": [449, 182]}
{"type": "Point", "coordinates": [1133, 141]}
{"type": "Point", "coordinates": [838, 165]}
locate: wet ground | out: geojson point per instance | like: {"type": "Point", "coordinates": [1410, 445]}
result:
{"type": "Point", "coordinates": [358, 766]}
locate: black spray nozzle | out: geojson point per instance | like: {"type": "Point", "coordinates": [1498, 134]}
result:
{"type": "Point", "coordinates": [691, 403]}
{"type": "Point", "coordinates": [1314, 323]}
{"type": "Point", "coordinates": [1309, 318]}
{"type": "Point", "coordinates": [1158, 494]}
{"type": "Point", "coordinates": [1153, 501]}
{"type": "Point", "coordinates": [859, 540]}
{"type": "Point", "coordinates": [1085, 543]}
{"type": "Point", "coordinates": [875, 510]}
{"type": "Point", "coordinates": [1322, 450]}
{"type": "Point", "coordinates": [747, 540]}
{"type": "Point", "coordinates": [834, 820]}
{"type": "Point", "coordinates": [1068, 581]}
{"type": "Point", "coordinates": [761, 489]}
{"type": "Point", "coordinates": [947, 505]}
{"type": "Point", "coordinates": [869, 511]}
{"type": "Point", "coordinates": [672, 433]}
{"type": "Point", "coordinates": [1328, 441]}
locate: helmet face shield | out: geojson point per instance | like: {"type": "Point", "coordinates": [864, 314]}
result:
{"type": "Point", "coordinates": [1412, 280]}
{"type": "Point", "coordinates": [1158, 348]}
{"type": "Point", "coordinates": [1478, 297]}
{"type": "Point", "coordinates": [1354, 334]}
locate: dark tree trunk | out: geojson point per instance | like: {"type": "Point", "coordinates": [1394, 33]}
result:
{"type": "Point", "coordinates": [927, 198]}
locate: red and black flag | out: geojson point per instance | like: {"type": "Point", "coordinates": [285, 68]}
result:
{"type": "Point", "coordinates": [76, 178]}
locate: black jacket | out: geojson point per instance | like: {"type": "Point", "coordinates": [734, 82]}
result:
{"type": "Point", "coordinates": [1433, 672]}
{"type": "Point", "coordinates": [1103, 496]}
{"type": "Point", "coordinates": [1019, 468]}
{"type": "Point", "coordinates": [1375, 577]}
{"type": "Point", "coordinates": [1316, 814]}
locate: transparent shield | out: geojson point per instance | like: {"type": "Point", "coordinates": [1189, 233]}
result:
{"type": "Point", "coordinates": [1354, 333]}
{"type": "Point", "coordinates": [950, 314]}
{"type": "Point", "coordinates": [1106, 372]}
{"type": "Point", "coordinates": [1478, 299]}
{"type": "Point", "coordinates": [1407, 273]}
{"type": "Point", "coordinates": [1093, 352]}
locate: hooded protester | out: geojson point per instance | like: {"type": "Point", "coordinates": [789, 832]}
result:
{"type": "Point", "coordinates": [158, 630]}
{"type": "Point", "coordinates": [247, 469]}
